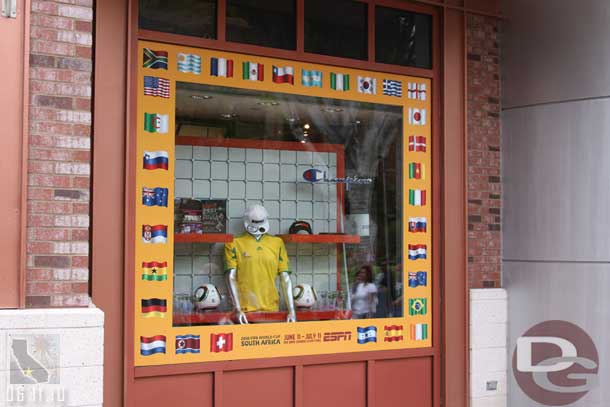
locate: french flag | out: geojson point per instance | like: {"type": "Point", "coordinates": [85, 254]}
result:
{"type": "Point", "coordinates": [154, 234]}
{"type": "Point", "coordinates": [221, 67]}
{"type": "Point", "coordinates": [417, 251]}
{"type": "Point", "coordinates": [283, 74]}
{"type": "Point", "coordinates": [417, 225]}
{"type": "Point", "coordinates": [156, 160]}
{"type": "Point", "coordinates": [149, 345]}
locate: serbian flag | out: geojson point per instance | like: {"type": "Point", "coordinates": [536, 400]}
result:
{"type": "Point", "coordinates": [187, 344]}
{"type": "Point", "coordinates": [221, 67]}
{"type": "Point", "coordinates": [417, 143]}
{"type": "Point", "coordinates": [253, 71]}
{"type": "Point", "coordinates": [416, 171]}
{"type": "Point", "coordinates": [154, 270]}
{"type": "Point", "coordinates": [221, 342]}
{"type": "Point", "coordinates": [417, 197]}
{"type": "Point", "coordinates": [417, 225]}
{"type": "Point", "coordinates": [417, 251]}
{"type": "Point", "coordinates": [149, 345]}
{"type": "Point", "coordinates": [154, 307]}
{"type": "Point", "coordinates": [283, 74]}
{"type": "Point", "coordinates": [419, 332]}
{"type": "Point", "coordinates": [155, 160]}
{"type": "Point", "coordinates": [154, 234]}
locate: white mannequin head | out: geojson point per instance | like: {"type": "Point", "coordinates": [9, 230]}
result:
{"type": "Point", "coordinates": [255, 220]}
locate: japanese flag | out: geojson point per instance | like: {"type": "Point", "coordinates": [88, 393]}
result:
{"type": "Point", "coordinates": [417, 117]}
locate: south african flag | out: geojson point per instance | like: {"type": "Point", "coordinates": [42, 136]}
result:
{"type": "Point", "coordinates": [155, 59]}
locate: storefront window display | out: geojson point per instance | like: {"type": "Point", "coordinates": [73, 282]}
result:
{"type": "Point", "coordinates": [282, 207]}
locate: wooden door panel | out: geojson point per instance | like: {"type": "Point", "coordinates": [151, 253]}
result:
{"type": "Point", "coordinates": [183, 390]}
{"type": "Point", "coordinates": [397, 380]}
{"type": "Point", "coordinates": [260, 387]}
{"type": "Point", "coordinates": [341, 384]}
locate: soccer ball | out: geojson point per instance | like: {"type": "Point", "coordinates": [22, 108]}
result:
{"type": "Point", "coordinates": [304, 296]}
{"type": "Point", "coordinates": [206, 297]}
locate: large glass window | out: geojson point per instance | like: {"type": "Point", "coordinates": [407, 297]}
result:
{"type": "Point", "coordinates": [270, 23]}
{"type": "Point", "coordinates": [187, 17]}
{"type": "Point", "coordinates": [328, 174]}
{"type": "Point", "coordinates": [339, 30]}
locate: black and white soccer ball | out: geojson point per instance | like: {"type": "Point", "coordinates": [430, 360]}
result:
{"type": "Point", "coordinates": [304, 296]}
{"type": "Point", "coordinates": [206, 296]}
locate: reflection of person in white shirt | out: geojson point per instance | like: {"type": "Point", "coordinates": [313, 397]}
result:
{"type": "Point", "coordinates": [364, 294]}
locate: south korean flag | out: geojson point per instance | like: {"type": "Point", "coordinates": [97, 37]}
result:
{"type": "Point", "coordinates": [417, 117]}
{"type": "Point", "coordinates": [367, 85]}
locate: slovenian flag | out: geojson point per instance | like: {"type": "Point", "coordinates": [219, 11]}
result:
{"type": "Point", "coordinates": [283, 74]}
{"type": "Point", "coordinates": [367, 334]}
{"type": "Point", "coordinates": [417, 117]}
{"type": "Point", "coordinates": [417, 197]}
{"type": "Point", "coordinates": [187, 344]}
{"type": "Point", "coordinates": [419, 332]}
{"type": "Point", "coordinates": [156, 160]}
{"type": "Point", "coordinates": [154, 307]}
{"type": "Point", "coordinates": [311, 78]}
{"type": "Point", "coordinates": [367, 85]}
{"type": "Point", "coordinates": [339, 81]}
{"type": "Point", "coordinates": [416, 91]}
{"type": "Point", "coordinates": [154, 270]}
{"type": "Point", "coordinates": [221, 67]}
{"type": "Point", "coordinates": [392, 88]}
{"type": "Point", "coordinates": [253, 71]}
{"type": "Point", "coordinates": [154, 86]}
{"type": "Point", "coordinates": [418, 306]}
{"type": "Point", "coordinates": [189, 63]}
{"type": "Point", "coordinates": [417, 225]}
{"type": "Point", "coordinates": [418, 279]}
{"type": "Point", "coordinates": [154, 234]}
{"type": "Point", "coordinates": [417, 251]}
{"type": "Point", "coordinates": [417, 144]}
{"type": "Point", "coordinates": [156, 123]}
{"type": "Point", "coordinates": [155, 59]}
{"type": "Point", "coordinates": [416, 171]}
{"type": "Point", "coordinates": [149, 345]}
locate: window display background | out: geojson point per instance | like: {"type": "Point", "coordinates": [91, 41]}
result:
{"type": "Point", "coordinates": [164, 252]}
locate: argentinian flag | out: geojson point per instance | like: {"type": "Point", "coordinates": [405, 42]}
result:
{"type": "Point", "coordinates": [311, 78]}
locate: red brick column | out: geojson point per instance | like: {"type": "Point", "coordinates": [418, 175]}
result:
{"type": "Point", "coordinates": [60, 153]}
{"type": "Point", "coordinates": [484, 171]}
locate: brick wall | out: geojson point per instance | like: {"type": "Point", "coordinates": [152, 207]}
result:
{"type": "Point", "coordinates": [59, 162]}
{"type": "Point", "coordinates": [484, 183]}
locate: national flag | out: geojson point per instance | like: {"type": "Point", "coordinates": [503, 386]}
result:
{"type": "Point", "coordinates": [154, 196]}
{"type": "Point", "coordinates": [418, 306]}
{"type": "Point", "coordinates": [283, 74]}
{"type": "Point", "coordinates": [419, 332]}
{"type": "Point", "coordinates": [417, 143]}
{"type": "Point", "coordinates": [221, 342]}
{"type": "Point", "coordinates": [154, 86]}
{"type": "Point", "coordinates": [149, 345]}
{"type": "Point", "coordinates": [155, 59]}
{"type": "Point", "coordinates": [392, 87]}
{"type": "Point", "coordinates": [339, 81]}
{"type": "Point", "coordinates": [156, 160]}
{"type": "Point", "coordinates": [416, 91]}
{"type": "Point", "coordinates": [187, 344]}
{"type": "Point", "coordinates": [154, 234]}
{"type": "Point", "coordinates": [417, 171]}
{"type": "Point", "coordinates": [417, 197]}
{"type": "Point", "coordinates": [392, 333]}
{"type": "Point", "coordinates": [221, 67]}
{"type": "Point", "coordinates": [367, 84]}
{"type": "Point", "coordinates": [418, 279]}
{"type": "Point", "coordinates": [189, 63]}
{"type": "Point", "coordinates": [367, 334]}
{"type": "Point", "coordinates": [417, 225]}
{"type": "Point", "coordinates": [311, 78]}
{"type": "Point", "coordinates": [253, 71]}
{"type": "Point", "coordinates": [154, 270]}
{"type": "Point", "coordinates": [154, 307]}
{"type": "Point", "coordinates": [156, 123]}
{"type": "Point", "coordinates": [417, 117]}
{"type": "Point", "coordinates": [417, 251]}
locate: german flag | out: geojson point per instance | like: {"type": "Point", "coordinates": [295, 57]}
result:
{"type": "Point", "coordinates": [154, 270]}
{"type": "Point", "coordinates": [154, 307]}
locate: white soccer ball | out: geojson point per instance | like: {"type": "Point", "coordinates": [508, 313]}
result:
{"type": "Point", "coordinates": [304, 296]}
{"type": "Point", "coordinates": [206, 297]}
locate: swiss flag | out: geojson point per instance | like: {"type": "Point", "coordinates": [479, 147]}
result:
{"type": "Point", "coordinates": [221, 342]}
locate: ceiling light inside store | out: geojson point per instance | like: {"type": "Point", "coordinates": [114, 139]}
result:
{"type": "Point", "coordinates": [201, 97]}
{"type": "Point", "coordinates": [227, 116]}
{"type": "Point", "coordinates": [306, 126]}
{"type": "Point", "coordinates": [267, 103]}
{"type": "Point", "coordinates": [332, 109]}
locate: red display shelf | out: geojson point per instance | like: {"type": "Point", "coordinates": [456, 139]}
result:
{"type": "Point", "coordinates": [214, 317]}
{"type": "Point", "coordinates": [325, 238]}
{"type": "Point", "coordinates": [202, 238]}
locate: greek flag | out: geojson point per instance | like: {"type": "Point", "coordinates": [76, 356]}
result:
{"type": "Point", "coordinates": [392, 88]}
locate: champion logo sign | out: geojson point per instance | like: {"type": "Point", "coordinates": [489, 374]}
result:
{"type": "Point", "coordinates": [314, 175]}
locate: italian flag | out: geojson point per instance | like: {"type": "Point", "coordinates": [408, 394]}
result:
{"type": "Point", "coordinates": [339, 81]}
{"type": "Point", "coordinates": [253, 71]}
{"type": "Point", "coordinates": [417, 197]}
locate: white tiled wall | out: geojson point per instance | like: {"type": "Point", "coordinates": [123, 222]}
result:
{"type": "Point", "coordinates": [272, 178]}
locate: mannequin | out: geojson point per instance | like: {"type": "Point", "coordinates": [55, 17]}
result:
{"type": "Point", "coordinates": [253, 261]}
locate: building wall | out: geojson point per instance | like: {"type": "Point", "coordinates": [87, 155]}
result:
{"type": "Point", "coordinates": [556, 144]}
{"type": "Point", "coordinates": [60, 153]}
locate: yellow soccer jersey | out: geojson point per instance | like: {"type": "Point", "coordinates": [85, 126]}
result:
{"type": "Point", "coordinates": [258, 263]}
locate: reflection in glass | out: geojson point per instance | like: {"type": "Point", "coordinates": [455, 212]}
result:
{"type": "Point", "coordinates": [269, 23]}
{"type": "Point", "coordinates": [236, 148]}
{"type": "Point", "coordinates": [196, 18]}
